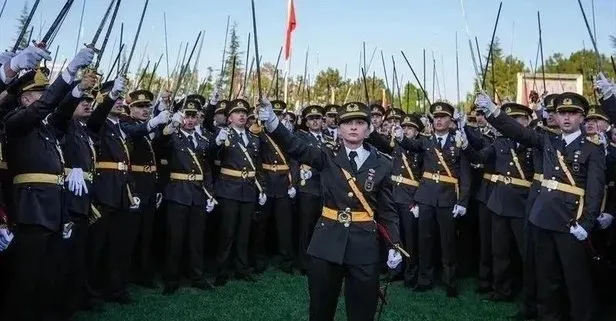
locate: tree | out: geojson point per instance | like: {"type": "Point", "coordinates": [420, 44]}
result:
{"type": "Point", "coordinates": [500, 77]}
{"type": "Point", "coordinates": [21, 21]}
{"type": "Point", "coordinates": [233, 55]}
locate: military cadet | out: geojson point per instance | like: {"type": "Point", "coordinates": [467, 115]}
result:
{"type": "Point", "coordinates": [566, 209]}
{"type": "Point", "coordinates": [407, 169]}
{"type": "Point", "coordinates": [442, 196]}
{"type": "Point", "coordinates": [309, 199]}
{"type": "Point", "coordinates": [356, 197]}
{"type": "Point", "coordinates": [280, 191]}
{"type": "Point", "coordinates": [220, 118]}
{"type": "Point", "coordinates": [331, 124]}
{"type": "Point", "coordinates": [12, 63]}
{"type": "Point", "coordinates": [188, 197]}
{"type": "Point", "coordinates": [144, 174]}
{"type": "Point", "coordinates": [36, 162]}
{"type": "Point", "coordinates": [376, 116]}
{"type": "Point", "coordinates": [238, 187]}
{"type": "Point", "coordinates": [290, 118]}
{"type": "Point", "coordinates": [512, 177]}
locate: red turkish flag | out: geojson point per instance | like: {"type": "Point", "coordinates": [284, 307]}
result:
{"type": "Point", "coordinates": [291, 23]}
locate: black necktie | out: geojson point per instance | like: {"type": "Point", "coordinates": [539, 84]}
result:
{"type": "Point", "coordinates": [191, 140]}
{"type": "Point", "coordinates": [352, 156]}
{"type": "Point", "coordinates": [440, 142]}
{"type": "Point", "coordinates": [242, 139]}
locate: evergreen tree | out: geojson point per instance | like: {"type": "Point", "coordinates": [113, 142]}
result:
{"type": "Point", "coordinates": [21, 21]}
{"type": "Point", "coordinates": [232, 52]}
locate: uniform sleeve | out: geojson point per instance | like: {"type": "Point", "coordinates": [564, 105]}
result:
{"type": "Point", "coordinates": [135, 130]}
{"type": "Point", "coordinates": [62, 116]}
{"type": "Point", "coordinates": [387, 215]}
{"type": "Point", "coordinates": [299, 150]}
{"type": "Point", "coordinates": [97, 119]}
{"type": "Point", "coordinates": [380, 142]}
{"type": "Point", "coordinates": [475, 138]}
{"type": "Point", "coordinates": [609, 106]}
{"type": "Point", "coordinates": [595, 184]}
{"type": "Point", "coordinates": [466, 178]}
{"type": "Point", "coordinates": [412, 145]}
{"type": "Point", "coordinates": [481, 156]}
{"type": "Point", "coordinates": [512, 129]}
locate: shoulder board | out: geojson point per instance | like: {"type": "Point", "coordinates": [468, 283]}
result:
{"type": "Point", "coordinates": [384, 155]}
{"type": "Point", "coordinates": [425, 135]}
{"type": "Point", "coordinates": [594, 139]}
{"type": "Point", "coordinates": [253, 134]}
{"type": "Point", "coordinates": [302, 131]}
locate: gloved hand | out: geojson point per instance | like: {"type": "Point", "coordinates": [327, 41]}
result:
{"type": "Point", "coordinates": [605, 220]}
{"type": "Point", "coordinates": [603, 139]}
{"type": "Point", "coordinates": [462, 121]}
{"type": "Point", "coordinates": [159, 200]}
{"type": "Point", "coordinates": [415, 211]}
{"type": "Point", "coordinates": [209, 207]}
{"type": "Point", "coordinates": [76, 182]}
{"type": "Point", "coordinates": [119, 85]}
{"type": "Point", "coordinates": [5, 238]}
{"type": "Point", "coordinates": [67, 230]}
{"type": "Point", "coordinates": [605, 88]}
{"type": "Point", "coordinates": [292, 192]}
{"type": "Point", "coordinates": [262, 199]}
{"type": "Point", "coordinates": [484, 103]}
{"type": "Point", "coordinates": [398, 132]}
{"type": "Point", "coordinates": [579, 232]}
{"type": "Point", "coordinates": [461, 139]}
{"type": "Point", "coordinates": [223, 135]}
{"type": "Point", "coordinates": [136, 203]}
{"type": "Point", "coordinates": [266, 112]}
{"type": "Point", "coordinates": [29, 58]}
{"type": "Point", "coordinates": [160, 119]}
{"type": "Point", "coordinates": [5, 57]}
{"type": "Point", "coordinates": [214, 97]}
{"type": "Point", "coordinates": [394, 258]}
{"type": "Point", "coordinates": [83, 59]}
{"type": "Point", "coordinates": [305, 174]}
{"type": "Point", "coordinates": [177, 118]}
{"type": "Point", "coordinates": [458, 211]}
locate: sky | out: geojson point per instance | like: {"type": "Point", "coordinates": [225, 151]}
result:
{"type": "Point", "coordinates": [334, 31]}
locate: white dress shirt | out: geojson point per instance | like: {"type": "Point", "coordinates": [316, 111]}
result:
{"type": "Point", "coordinates": [115, 122]}
{"type": "Point", "coordinates": [187, 134]}
{"type": "Point", "coordinates": [568, 138]}
{"type": "Point", "coordinates": [242, 134]}
{"type": "Point", "coordinates": [318, 136]}
{"type": "Point", "coordinates": [443, 138]}
{"type": "Point", "coordinates": [362, 155]}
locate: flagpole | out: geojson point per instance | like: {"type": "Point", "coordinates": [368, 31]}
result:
{"type": "Point", "coordinates": [286, 78]}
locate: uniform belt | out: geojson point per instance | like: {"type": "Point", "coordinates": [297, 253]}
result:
{"type": "Point", "coordinates": [275, 167]}
{"type": "Point", "coordinates": [403, 180]}
{"type": "Point", "coordinates": [491, 177]}
{"type": "Point", "coordinates": [3, 165]}
{"type": "Point", "coordinates": [86, 175]}
{"type": "Point", "coordinates": [346, 216]}
{"type": "Point", "coordinates": [440, 178]}
{"type": "Point", "coordinates": [538, 177]}
{"type": "Point", "coordinates": [143, 168]}
{"type": "Point", "coordinates": [236, 173]}
{"type": "Point", "coordinates": [554, 185]}
{"type": "Point", "coordinates": [38, 178]}
{"type": "Point", "coordinates": [513, 181]}
{"type": "Point", "coordinates": [112, 165]}
{"type": "Point", "coordinates": [186, 177]}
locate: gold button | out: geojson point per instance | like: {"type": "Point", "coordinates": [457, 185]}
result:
{"type": "Point", "coordinates": [350, 194]}
{"type": "Point", "coordinates": [510, 164]}
{"type": "Point", "coordinates": [553, 178]}
{"type": "Point", "coordinates": [439, 163]}
{"type": "Point", "coordinates": [556, 168]}
{"type": "Point", "coordinates": [508, 173]}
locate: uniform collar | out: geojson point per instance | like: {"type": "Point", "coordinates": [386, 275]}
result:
{"type": "Point", "coordinates": [568, 138]}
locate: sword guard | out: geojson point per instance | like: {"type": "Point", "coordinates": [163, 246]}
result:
{"type": "Point", "coordinates": [93, 47]}
{"type": "Point", "coordinates": [41, 45]}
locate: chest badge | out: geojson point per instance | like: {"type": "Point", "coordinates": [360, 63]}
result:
{"type": "Point", "coordinates": [369, 185]}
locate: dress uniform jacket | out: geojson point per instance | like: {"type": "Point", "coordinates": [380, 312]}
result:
{"type": "Point", "coordinates": [441, 194]}
{"type": "Point", "coordinates": [535, 187]}
{"type": "Point", "coordinates": [33, 147]}
{"type": "Point", "coordinates": [555, 209]}
{"type": "Point", "coordinates": [79, 152]}
{"type": "Point", "coordinates": [276, 168]}
{"type": "Point", "coordinates": [610, 160]}
{"type": "Point", "coordinates": [510, 189]}
{"type": "Point", "coordinates": [358, 243]}
{"type": "Point", "coordinates": [405, 179]}
{"type": "Point", "coordinates": [311, 186]}
{"type": "Point", "coordinates": [142, 159]}
{"type": "Point", "coordinates": [232, 157]}
{"type": "Point", "coordinates": [184, 158]}
{"type": "Point", "coordinates": [478, 140]}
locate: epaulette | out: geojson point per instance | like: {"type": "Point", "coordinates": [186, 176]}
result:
{"type": "Point", "coordinates": [548, 129]}
{"type": "Point", "coordinates": [594, 139]}
{"type": "Point", "coordinates": [425, 135]}
{"type": "Point", "coordinates": [385, 155]}
{"type": "Point", "coordinates": [254, 135]}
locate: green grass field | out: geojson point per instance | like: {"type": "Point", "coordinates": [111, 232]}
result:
{"type": "Point", "coordinates": [278, 296]}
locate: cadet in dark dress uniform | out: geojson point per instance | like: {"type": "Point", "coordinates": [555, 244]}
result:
{"type": "Point", "coordinates": [407, 169]}
{"type": "Point", "coordinates": [188, 197]}
{"type": "Point", "coordinates": [36, 162]}
{"type": "Point", "coordinates": [567, 206]}
{"type": "Point", "coordinates": [280, 191]}
{"type": "Point", "coordinates": [331, 122]}
{"type": "Point", "coordinates": [442, 196]}
{"type": "Point", "coordinates": [377, 112]}
{"type": "Point", "coordinates": [512, 179]}
{"type": "Point", "coordinates": [238, 187]}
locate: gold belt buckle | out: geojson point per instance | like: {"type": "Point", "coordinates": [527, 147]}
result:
{"type": "Point", "coordinates": [122, 166]}
{"type": "Point", "coordinates": [506, 180]}
{"type": "Point", "coordinates": [192, 177]}
{"type": "Point", "coordinates": [60, 179]}
{"type": "Point", "coordinates": [551, 184]}
{"type": "Point", "coordinates": [398, 179]}
{"type": "Point", "coordinates": [344, 217]}
{"type": "Point", "coordinates": [493, 178]}
{"type": "Point", "coordinates": [147, 168]}
{"type": "Point", "coordinates": [436, 177]}
{"type": "Point", "coordinates": [275, 167]}
{"type": "Point", "coordinates": [244, 174]}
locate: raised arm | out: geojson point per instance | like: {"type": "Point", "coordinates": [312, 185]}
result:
{"type": "Point", "coordinates": [99, 115]}
{"type": "Point", "coordinates": [482, 156]}
{"type": "Point", "coordinates": [512, 129]}
{"type": "Point", "coordinates": [296, 148]}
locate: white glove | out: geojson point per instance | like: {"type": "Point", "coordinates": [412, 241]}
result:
{"type": "Point", "coordinates": [209, 207]}
{"type": "Point", "coordinates": [83, 59]}
{"type": "Point", "coordinates": [262, 199]}
{"type": "Point", "coordinates": [266, 112]}
{"type": "Point", "coordinates": [159, 200]}
{"type": "Point", "coordinates": [605, 220]}
{"type": "Point", "coordinates": [76, 182]}
{"type": "Point", "coordinates": [393, 259]}
{"type": "Point", "coordinates": [5, 238]}
{"type": "Point", "coordinates": [305, 174]}
{"type": "Point", "coordinates": [119, 85]}
{"type": "Point", "coordinates": [160, 119]}
{"type": "Point", "coordinates": [456, 115]}
{"type": "Point", "coordinates": [5, 57]}
{"type": "Point", "coordinates": [462, 121]}
{"type": "Point", "coordinates": [292, 192]}
{"type": "Point", "coordinates": [484, 102]}
{"type": "Point", "coordinates": [177, 118]}
{"type": "Point", "coordinates": [223, 135]}
{"type": "Point", "coordinates": [29, 58]}
{"type": "Point", "coordinates": [214, 97]}
{"type": "Point", "coordinates": [458, 211]}
{"type": "Point", "coordinates": [136, 202]}
{"type": "Point", "coordinates": [603, 139]}
{"type": "Point", "coordinates": [67, 231]}
{"type": "Point", "coordinates": [415, 211]}
{"type": "Point", "coordinates": [461, 139]}
{"type": "Point", "coordinates": [398, 133]}
{"type": "Point", "coordinates": [606, 89]}
{"type": "Point", "coordinates": [288, 125]}
{"type": "Point", "coordinates": [579, 232]}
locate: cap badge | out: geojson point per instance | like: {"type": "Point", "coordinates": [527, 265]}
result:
{"type": "Point", "coordinates": [240, 104]}
{"type": "Point", "coordinates": [223, 105]}
{"type": "Point", "coordinates": [508, 110]}
{"type": "Point", "coordinates": [141, 97]}
{"type": "Point", "coordinates": [352, 108]}
{"type": "Point", "coordinates": [591, 111]}
{"type": "Point", "coordinates": [40, 78]}
{"type": "Point", "coordinates": [567, 101]}
{"type": "Point", "coordinates": [314, 111]}
{"type": "Point", "coordinates": [191, 105]}
{"type": "Point", "coordinates": [438, 108]}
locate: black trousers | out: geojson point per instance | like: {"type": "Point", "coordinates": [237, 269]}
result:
{"type": "Point", "coordinates": [309, 208]}
{"type": "Point", "coordinates": [143, 263]}
{"type": "Point", "coordinates": [430, 219]}
{"type": "Point", "coordinates": [507, 236]}
{"type": "Point", "coordinates": [32, 287]}
{"type": "Point", "coordinates": [281, 210]}
{"type": "Point", "coordinates": [361, 285]}
{"type": "Point", "coordinates": [529, 266]}
{"type": "Point", "coordinates": [563, 269]}
{"type": "Point", "coordinates": [73, 276]}
{"type": "Point", "coordinates": [185, 225]}
{"type": "Point", "coordinates": [485, 246]}
{"type": "Point", "coordinates": [235, 221]}
{"type": "Point", "coordinates": [409, 232]}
